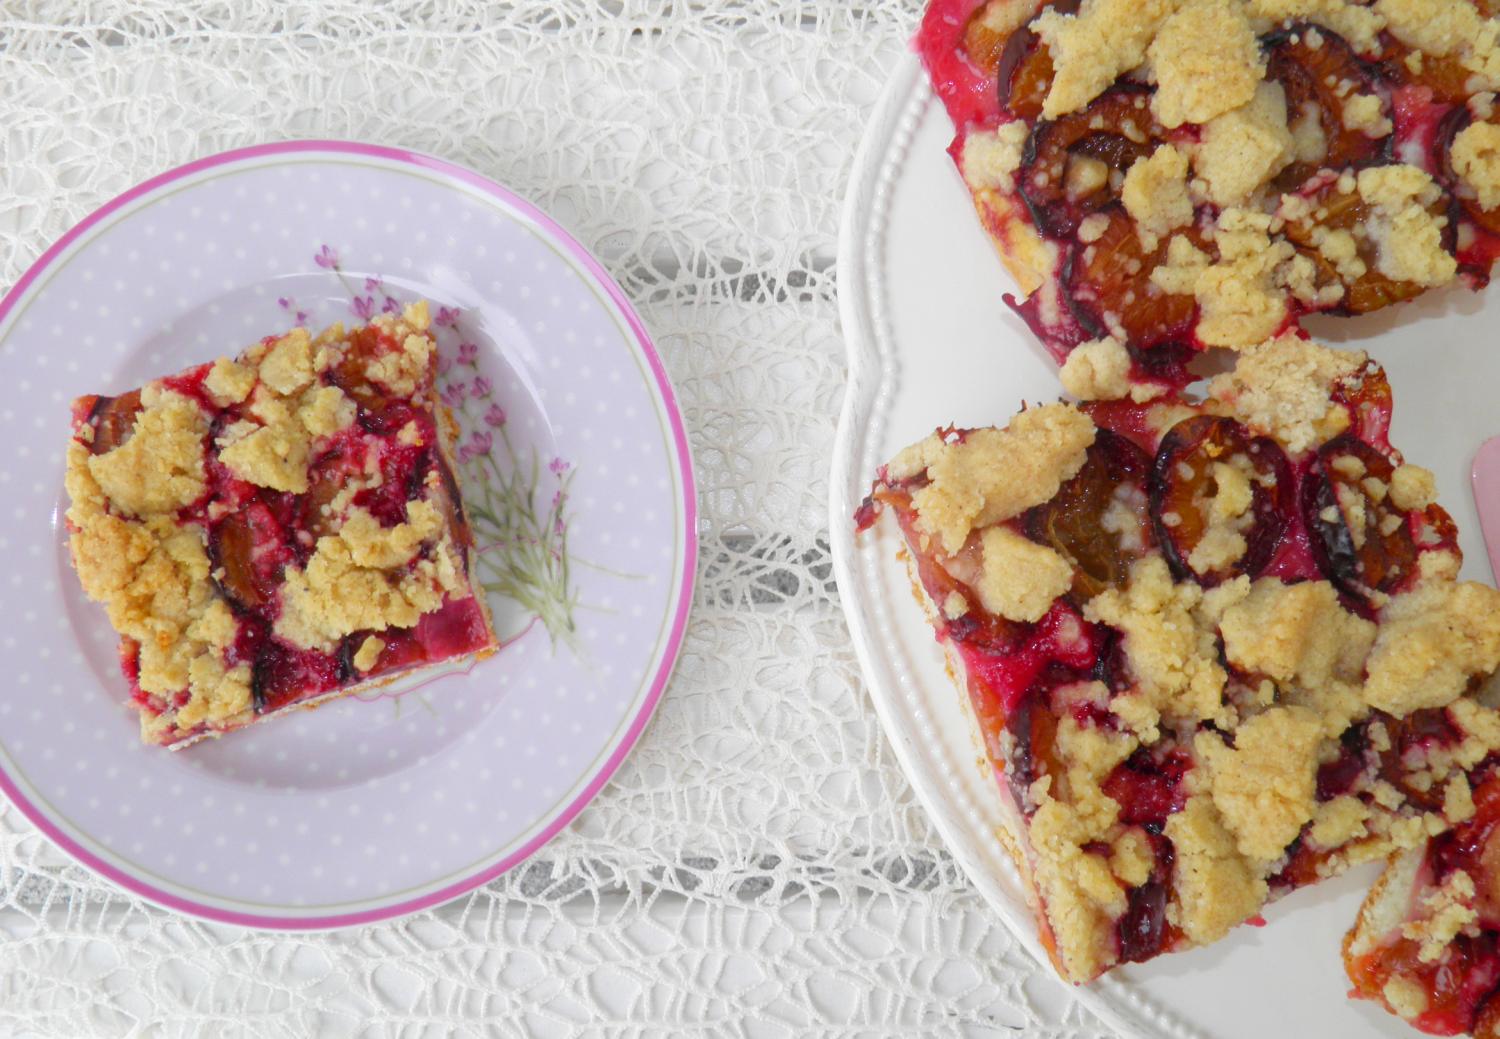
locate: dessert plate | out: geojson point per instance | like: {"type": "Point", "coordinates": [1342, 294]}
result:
{"type": "Point", "coordinates": [931, 342]}
{"type": "Point", "coordinates": [575, 472]}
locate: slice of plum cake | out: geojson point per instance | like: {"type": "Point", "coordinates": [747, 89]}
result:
{"type": "Point", "coordinates": [1167, 177]}
{"type": "Point", "coordinates": [1209, 643]}
{"type": "Point", "coordinates": [278, 529]}
{"type": "Point", "coordinates": [1427, 942]}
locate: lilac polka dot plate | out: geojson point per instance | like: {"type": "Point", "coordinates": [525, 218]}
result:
{"type": "Point", "coordinates": [573, 462]}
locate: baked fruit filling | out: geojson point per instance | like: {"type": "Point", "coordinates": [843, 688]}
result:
{"type": "Point", "coordinates": [1216, 647]}
{"type": "Point", "coordinates": [276, 529]}
{"type": "Point", "coordinates": [1167, 176]}
{"type": "Point", "coordinates": [1427, 944]}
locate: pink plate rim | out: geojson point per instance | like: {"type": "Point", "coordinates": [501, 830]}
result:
{"type": "Point", "coordinates": [571, 245]}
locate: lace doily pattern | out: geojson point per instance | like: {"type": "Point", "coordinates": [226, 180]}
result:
{"type": "Point", "coordinates": [759, 866]}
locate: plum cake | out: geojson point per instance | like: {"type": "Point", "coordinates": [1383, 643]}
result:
{"type": "Point", "coordinates": [1169, 175]}
{"type": "Point", "coordinates": [1216, 646]}
{"type": "Point", "coordinates": [278, 529]}
{"type": "Point", "coordinates": [1427, 943]}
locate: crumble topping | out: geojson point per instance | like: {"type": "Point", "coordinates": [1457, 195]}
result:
{"type": "Point", "coordinates": [1001, 19]}
{"type": "Point", "coordinates": [1297, 633]}
{"type": "Point", "coordinates": [1239, 298]}
{"type": "Point", "coordinates": [1339, 822]}
{"type": "Point", "coordinates": [288, 365]}
{"type": "Point", "coordinates": [1085, 176]}
{"type": "Point", "coordinates": [1080, 886]}
{"type": "Point", "coordinates": [295, 412]}
{"type": "Point", "coordinates": [1412, 487]}
{"type": "Point", "coordinates": [153, 578]}
{"type": "Point", "coordinates": [1090, 49]}
{"type": "Point", "coordinates": [1476, 159]}
{"type": "Point", "coordinates": [1366, 113]}
{"type": "Point", "coordinates": [1092, 227]}
{"type": "Point", "coordinates": [1407, 998]}
{"type": "Point", "coordinates": [1221, 545]}
{"type": "Point", "coordinates": [1019, 578]}
{"type": "Point", "coordinates": [229, 382]}
{"type": "Point", "coordinates": [1216, 887]}
{"type": "Point", "coordinates": [1178, 276]}
{"type": "Point", "coordinates": [368, 653]}
{"type": "Point", "coordinates": [160, 468]}
{"type": "Point", "coordinates": [1207, 61]}
{"type": "Point", "coordinates": [990, 157]}
{"type": "Point", "coordinates": [1264, 786]}
{"type": "Point", "coordinates": [1097, 370]}
{"type": "Point", "coordinates": [1172, 658]}
{"type": "Point", "coordinates": [1283, 387]}
{"type": "Point", "coordinates": [348, 584]}
{"type": "Point", "coordinates": [1232, 493]}
{"type": "Point", "coordinates": [401, 371]}
{"type": "Point", "coordinates": [1229, 516]}
{"type": "Point", "coordinates": [1447, 910]}
{"type": "Point", "coordinates": [1432, 640]}
{"type": "Point", "coordinates": [1458, 799]}
{"type": "Point", "coordinates": [1132, 857]}
{"type": "Point", "coordinates": [1409, 238]}
{"type": "Point", "coordinates": [1341, 249]}
{"type": "Point", "coordinates": [992, 475]}
{"type": "Point", "coordinates": [1155, 192]}
{"type": "Point", "coordinates": [1122, 518]}
{"type": "Point", "coordinates": [1441, 27]}
{"type": "Point", "coordinates": [1480, 727]}
{"type": "Point", "coordinates": [1241, 150]}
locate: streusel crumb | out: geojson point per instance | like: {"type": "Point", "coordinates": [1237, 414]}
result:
{"type": "Point", "coordinates": [993, 475]}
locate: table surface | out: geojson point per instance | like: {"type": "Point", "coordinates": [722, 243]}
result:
{"type": "Point", "coordinates": [759, 867]}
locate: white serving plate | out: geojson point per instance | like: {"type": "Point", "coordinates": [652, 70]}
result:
{"type": "Point", "coordinates": [931, 342]}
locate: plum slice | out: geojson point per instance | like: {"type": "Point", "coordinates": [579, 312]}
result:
{"type": "Point", "coordinates": [326, 478]}
{"type": "Point", "coordinates": [378, 413]}
{"type": "Point", "coordinates": [1317, 80]}
{"type": "Point", "coordinates": [1358, 536]}
{"type": "Point", "coordinates": [1332, 210]}
{"type": "Point", "coordinates": [1019, 62]}
{"type": "Point", "coordinates": [1033, 753]}
{"type": "Point", "coordinates": [450, 502]}
{"type": "Point", "coordinates": [364, 344]}
{"type": "Point", "coordinates": [1183, 486]}
{"type": "Point", "coordinates": [1367, 398]}
{"type": "Point", "coordinates": [1143, 929]}
{"type": "Point", "coordinates": [1098, 519]}
{"type": "Point", "coordinates": [113, 419]}
{"type": "Point", "coordinates": [1115, 129]}
{"type": "Point", "coordinates": [248, 553]}
{"type": "Point", "coordinates": [1110, 288]}
{"type": "Point", "coordinates": [1443, 75]}
{"type": "Point", "coordinates": [1025, 75]}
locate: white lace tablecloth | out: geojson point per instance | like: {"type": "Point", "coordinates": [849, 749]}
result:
{"type": "Point", "coordinates": [759, 867]}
